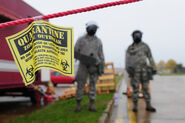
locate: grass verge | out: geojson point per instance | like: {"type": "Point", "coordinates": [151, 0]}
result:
{"type": "Point", "coordinates": [63, 111]}
{"type": "Point", "coordinates": [118, 78]}
{"type": "Point", "coordinates": [171, 74]}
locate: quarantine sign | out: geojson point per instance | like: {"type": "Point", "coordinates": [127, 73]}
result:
{"type": "Point", "coordinates": [42, 45]}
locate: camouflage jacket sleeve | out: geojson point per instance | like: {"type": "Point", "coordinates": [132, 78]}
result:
{"type": "Point", "coordinates": [127, 58]}
{"type": "Point", "coordinates": [100, 53]}
{"type": "Point", "coordinates": [150, 58]}
{"type": "Point", "coordinates": [101, 65]}
{"type": "Point", "coordinates": [128, 66]}
{"type": "Point", "coordinates": [77, 45]}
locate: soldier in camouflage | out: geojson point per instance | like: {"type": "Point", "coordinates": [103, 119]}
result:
{"type": "Point", "coordinates": [137, 56]}
{"type": "Point", "coordinates": [89, 51]}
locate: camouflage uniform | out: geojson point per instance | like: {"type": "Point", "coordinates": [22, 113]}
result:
{"type": "Point", "coordinates": [136, 64]}
{"type": "Point", "coordinates": [88, 46]}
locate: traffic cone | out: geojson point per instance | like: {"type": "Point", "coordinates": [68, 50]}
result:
{"type": "Point", "coordinates": [129, 92]}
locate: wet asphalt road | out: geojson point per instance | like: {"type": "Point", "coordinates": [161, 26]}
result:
{"type": "Point", "coordinates": [168, 97]}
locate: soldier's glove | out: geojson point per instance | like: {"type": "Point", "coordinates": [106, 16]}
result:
{"type": "Point", "coordinates": [130, 71]}
{"type": "Point", "coordinates": [154, 72]}
{"type": "Point", "coordinates": [100, 69]}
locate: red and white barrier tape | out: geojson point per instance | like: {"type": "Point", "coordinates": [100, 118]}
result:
{"type": "Point", "coordinates": [70, 12]}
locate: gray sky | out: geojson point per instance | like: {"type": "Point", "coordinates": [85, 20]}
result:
{"type": "Point", "coordinates": [161, 21]}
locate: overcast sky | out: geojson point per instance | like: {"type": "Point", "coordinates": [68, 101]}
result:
{"type": "Point", "coordinates": [161, 21]}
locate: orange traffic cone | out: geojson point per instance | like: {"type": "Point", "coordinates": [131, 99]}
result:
{"type": "Point", "coordinates": [129, 92]}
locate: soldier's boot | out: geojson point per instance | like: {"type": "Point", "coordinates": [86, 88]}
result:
{"type": "Point", "coordinates": [134, 106]}
{"type": "Point", "coordinates": [149, 107]}
{"type": "Point", "coordinates": [92, 107]}
{"type": "Point", "coordinates": [78, 106]}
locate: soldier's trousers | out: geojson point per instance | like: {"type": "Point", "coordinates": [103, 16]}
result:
{"type": "Point", "coordinates": [81, 78]}
{"type": "Point", "coordinates": [140, 77]}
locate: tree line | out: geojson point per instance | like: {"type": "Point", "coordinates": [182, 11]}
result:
{"type": "Point", "coordinates": [169, 66]}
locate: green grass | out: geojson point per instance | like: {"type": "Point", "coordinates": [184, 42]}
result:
{"type": "Point", "coordinates": [63, 111]}
{"type": "Point", "coordinates": [171, 74]}
{"type": "Point", "coordinates": [118, 78]}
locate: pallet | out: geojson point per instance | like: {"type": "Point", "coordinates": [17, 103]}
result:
{"type": "Point", "coordinates": [86, 88]}
{"type": "Point", "coordinates": [105, 87]}
{"type": "Point", "coordinates": [109, 68]}
{"type": "Point", "coordinates": [106, 82]}
{"type": "Point", "coordinates": [69, 93]}
{"type": "Point", "coordinates": [51, 88]}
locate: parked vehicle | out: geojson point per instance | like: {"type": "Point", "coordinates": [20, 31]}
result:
{"type": "Point", "coordinates": [58, 78]}
{"type": "Point", "coordinates": [11, 82]}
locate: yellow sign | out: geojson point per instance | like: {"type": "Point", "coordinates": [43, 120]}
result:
{"type": "Point", "coordinates": [42, 45]}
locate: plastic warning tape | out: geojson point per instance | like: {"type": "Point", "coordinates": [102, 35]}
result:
{"type": "Point", "coordinates": [70, 12]}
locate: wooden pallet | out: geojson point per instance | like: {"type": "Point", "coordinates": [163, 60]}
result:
{"type": "Point", "coordinates": [106, 82]}
{"type": "Point", "coordinates": [109, 68]}
{"type": "Point", "coordinates": [86, 88]}
{"type": "Point", "coordinates": [51, 88]}
{"type": "Point", "coordinates": [69, 93]}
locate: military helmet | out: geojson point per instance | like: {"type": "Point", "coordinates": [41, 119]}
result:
{"type": "Point", "coordinates": [137, 31]}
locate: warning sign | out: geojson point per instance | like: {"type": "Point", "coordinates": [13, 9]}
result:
{"type": "Point", "coordinates": [42, 45]}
